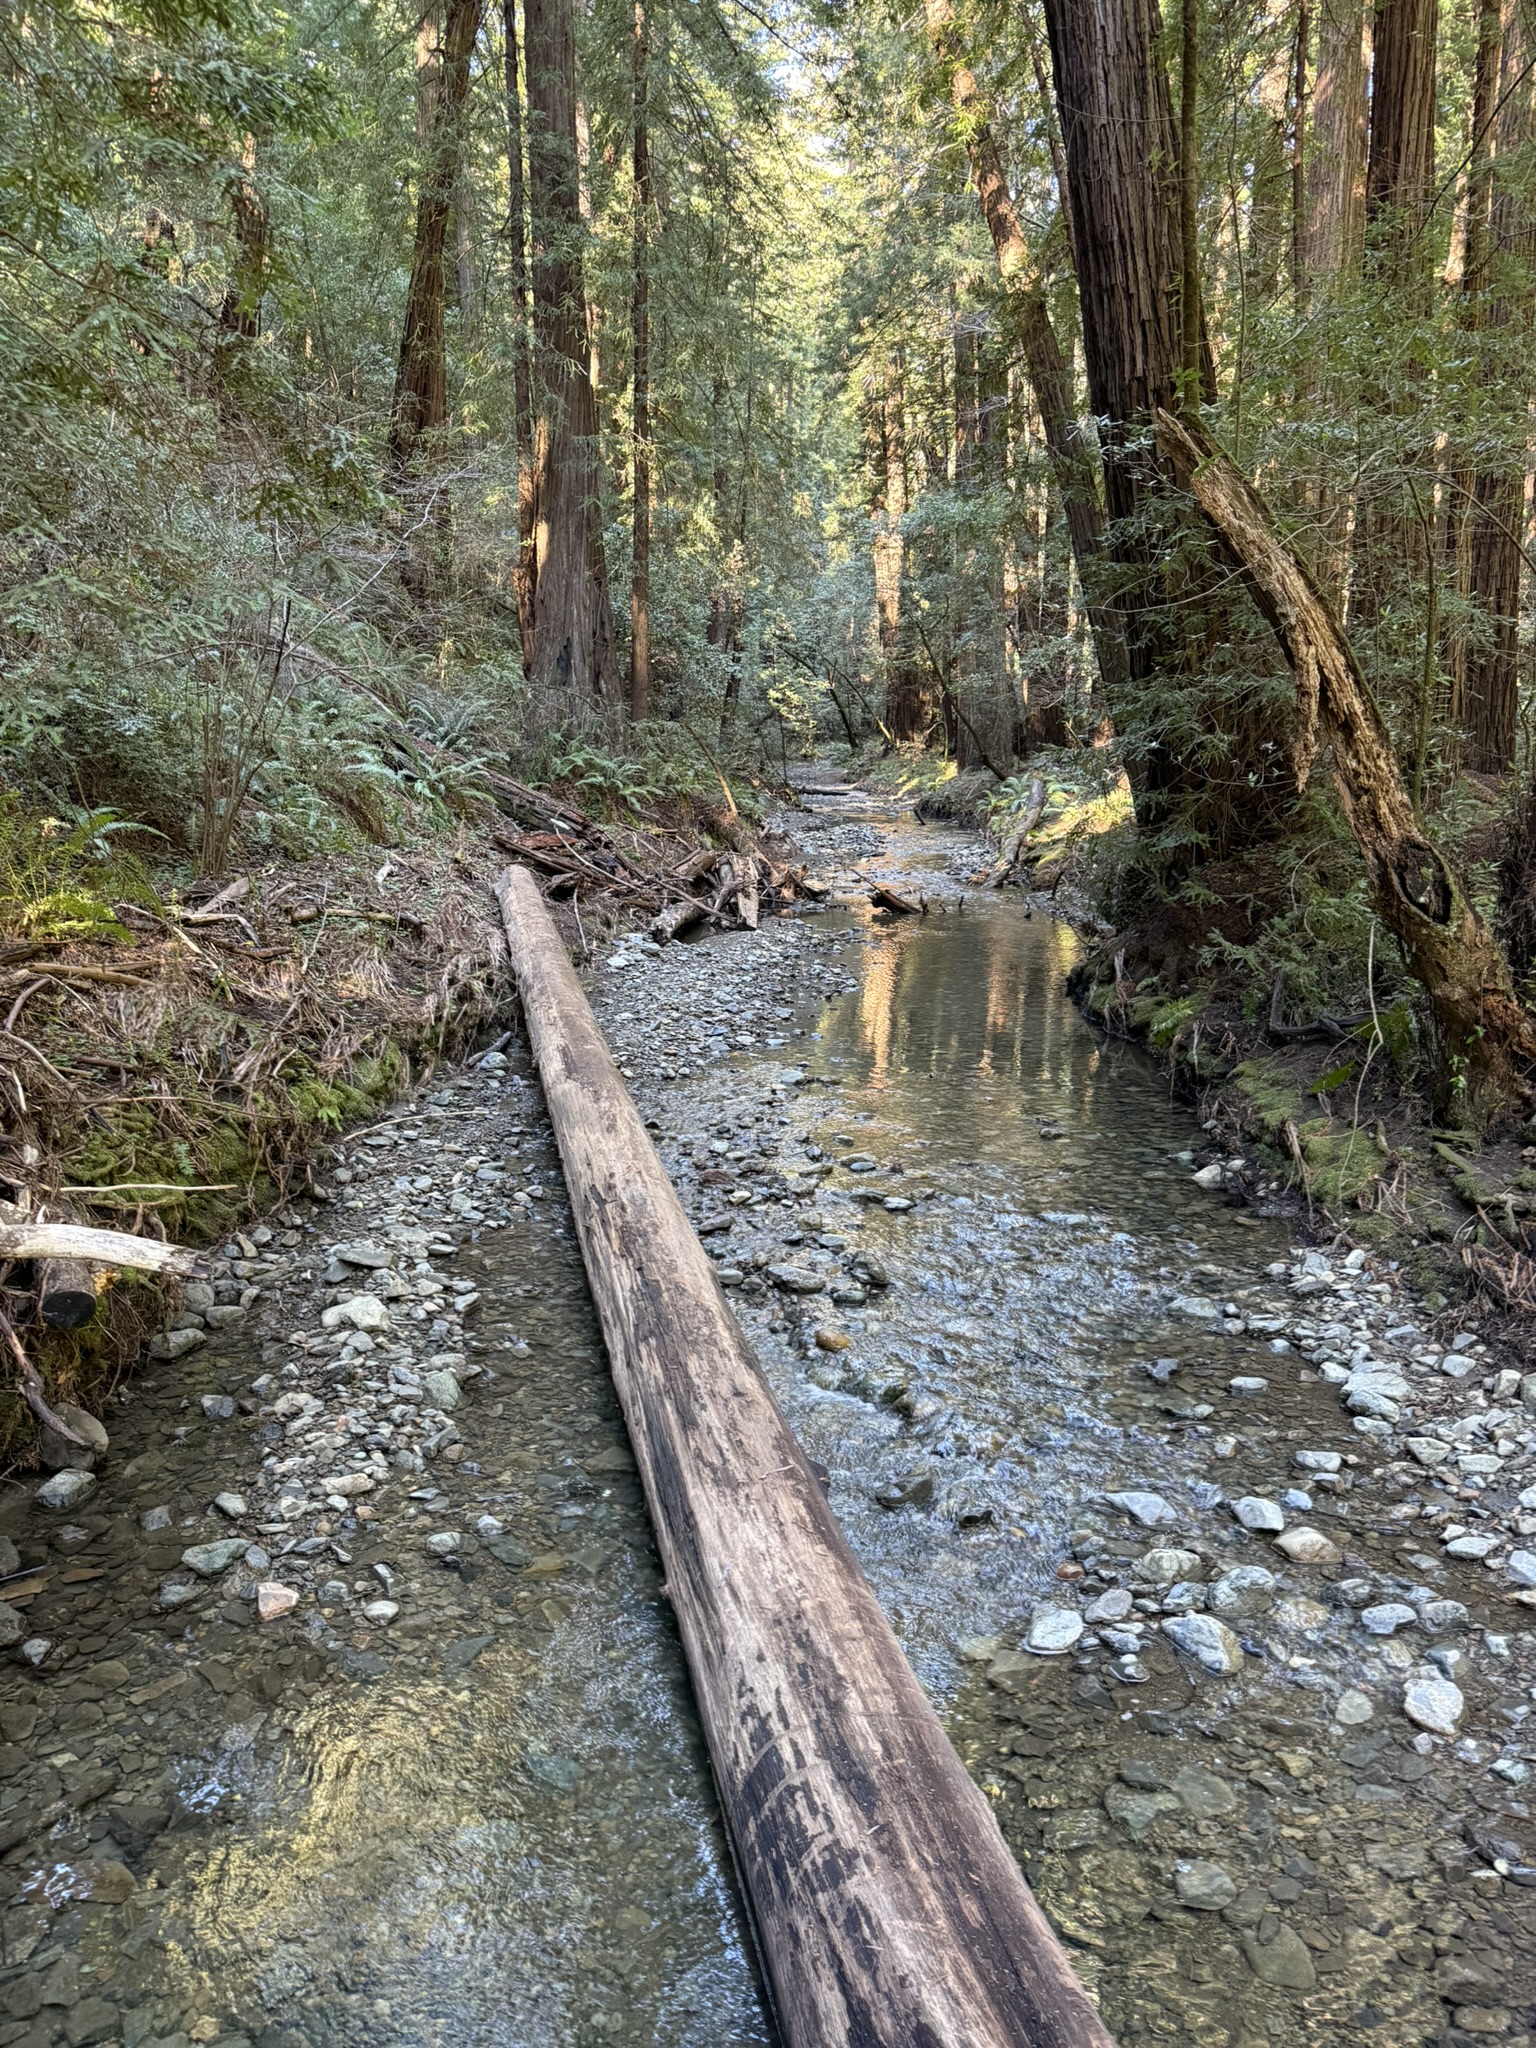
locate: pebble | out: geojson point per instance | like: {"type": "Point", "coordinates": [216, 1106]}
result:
{"type": "Point", "coordinates": [1254, 1512]}
{"type": "Point", "coordinates": [1521, 1567]}
{"type": "Point", "coordinates": [231, 1504]}
{"type": "Point", "coordinates": [217, 1407]}
{"type": "Point", "coordinates": [274, 1600]}
{"type": "Point", "coordinates": [1352, 1709]}
{"type": "Point", "coordinates": [363, 1312]}
{"type": "Point", "coordinates": [381, 1611]}
{"type": "Point", "coordinates": [1434, 1704]}
{"type": "Point", "coordinates": [1204, 1887]}
{"type": "Point", "coordinates": [1245, 1590]}
{"type": "Point", "coordinates": [1150, 1509]}
{"type": "Point", "coordinates": [1284, 1961]}
{"type": "Point", "coordinates": [209, 1559]}
{"type": "Point", "coordinates": [1308, 1546]}
{"type": "Point", "coordinates": [1114, 1605]}
{"type": "Point", "coordinates": [66, 1489]}
{"type": "Point", "coordinates": [1210, 1642]}
{"type": "Point", "coordinates": [1388, 1618]}
{"type": "Point", "coordinates": [1054, 1630]}
{"type": "Point", "coordinates": [12, 1626]}
{"type": "Point", "coordinates": [796, 1279]}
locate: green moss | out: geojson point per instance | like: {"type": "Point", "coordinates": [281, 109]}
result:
{"type": "Point", "coordinates": [1340, 1161]}
{"type": "Point", "coordinates": [1271, 1093]}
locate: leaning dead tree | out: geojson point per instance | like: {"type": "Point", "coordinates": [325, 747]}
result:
{"type": "Point", "coordinates": [1487, 1038]}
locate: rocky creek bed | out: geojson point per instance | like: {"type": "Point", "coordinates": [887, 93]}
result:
{"type": "Point", "coordinates": [344, 1702]}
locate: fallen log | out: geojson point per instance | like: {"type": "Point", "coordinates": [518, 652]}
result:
{"type": "Point", "coordinates": [673, 919]}
{"type": "Point", "coordinates": [66, 1293]}
{"type": "Point", "coordinates": [889, 1909]}
{"type": "Point", "coordinates": [104, 1247]}
{"type": "Point", "coordinates": [1013, 846]}
{"type": "Point", "coordinates": [884, 898]}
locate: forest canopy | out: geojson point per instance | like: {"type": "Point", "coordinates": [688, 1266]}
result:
{"type": "Point", "coordinates": [640, 393]}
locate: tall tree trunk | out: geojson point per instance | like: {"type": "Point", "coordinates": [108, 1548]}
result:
{"type": "Point", "coordinates": [525, 575]}
{"type": "Point", "coordinates": [1189, 195]}
{"type": "Point", "coordinates": [1122, 162]}
{"type": "Point", "coordinates": [1492, 694]}
{"type": "Point", "coordinates": [640, 580]}
{"type": "Point", "coordinates": [420, 404]}
{"type": "Point", "coordinates": [1486, 1037]}
{"type": "Point", "coordinates": [1334, 235]}
{"type": "Point", "coordinates": [1071, 452]}
{"type": "Point", "coordinates": [906, 712]}
{"type": "Point", "coordinates": [572, 631]}
{"type": "Point", "coordinates": [1400, 170]}
{"type": "Point", "coordinates": [240, 314]}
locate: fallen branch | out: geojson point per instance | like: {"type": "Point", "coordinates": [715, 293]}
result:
{"type": "Point", "coordinates": [104, 1247]}
{"type": "Point", "coordinates": [31, 1391]}
{"type": "Point", "coordinates": [884, 898]}
{"type": "Point", "coordinates": [1003, 867]}
{"type": "Point", "coordinates": [1322, 1026]}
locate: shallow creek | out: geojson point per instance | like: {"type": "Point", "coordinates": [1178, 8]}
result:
{"type": "Point", "coordinates": [456, 1791]}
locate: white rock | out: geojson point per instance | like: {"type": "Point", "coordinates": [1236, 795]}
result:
{"type": "Point", "coordinates": [1434, 1703]}
{"type": "Point", "coordinates": [1317, 1461]}
{"type": "Point", "coordinates": [1352, 1709]}
{"type": "Point", "coordinates": [1194, 1305]}
{"type": "Point", "coordinates": [363, 1312]}
{"type": "Point", "coordinates": [1254, 1512]}
{"type": "Point", "coordinates": [1522, 1567]}
{"type": "Point", "coordinates": [66, 1489]}
{"type": "Point", "coordinates": [1308, 1546]}
{"type": "Point", "coordinates": [442, 1390]}
{"type": "Point", "coordinates": [231, 1504]}
{"type": "Point", "coordinates": [1470, 1546]}
{"type": "Point", "coordinates": [274, 1600]}
{"type": "Point", "coordinates": [1163, 1567]}
{"type": "Point", "coordinates": [1114, 1605]}
{"type": "Point", "coordinates": [1150, 1509]}
{"type": "Point", "coordinates": [381, 1611]}
{"type": "Point", "coordinates": [347, 1484]}
{"type": "Point", "coordinates": [1387, 1618]}
{"type": "Point", "coordinates": [1210, 1176]}
{"type": "Point", "coordinates": [1209, 1641]}
{"type": "Point", "coordinates": [1246, 1589]}
{"type": "Point", "coordinates": [1428, 1450]}
{"type": "Point", "coordinates": [1054, 1630]}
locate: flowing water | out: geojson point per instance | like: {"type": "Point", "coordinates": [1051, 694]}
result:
{"type": "Point", "coordinates": [486, 1816]}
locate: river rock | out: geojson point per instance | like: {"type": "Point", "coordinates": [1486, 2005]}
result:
{"type": "Point", "coordinates": [1521, 1567]}
{"type": "Point", "coordinates": [362, 1253]}
{"type": "Point", "coordinates": [12, 1626]}
{"type": "Point", "coordinates": [362, 1312]}
{"type": "Point", "coordinates": [274, 1600]}
{"type": "Point", "coordinates": [58, 1451]}
{"type": "Point", "coordinates": [1054, 1630]}
{"type": "Point", "coordinates": [1308, 1546]}
{"type": "Point", "coordinates": [347, 1485]}
{"type": "Point", "coordinates": [209, 1559]}
{"type": "Point", "coordinates": [1011, 1671]}
{"type": "Point", "coordinates": [1352, 1709]}
{"type": "Point", "coordinates": [1210, 1642]}
{"type": "Point", "coordinates": [1137, 1809]}
{"type": "Point", "coordinates": [1246, 1589]}
{"type": "Point", "coordinates": [442, 1390]}
{"type": "Point", "coordinates": [1150, 1509]}
{"type": "Point", "coordinates": [1428, 1450]}
{"type": "Point", "coordinates": [796, 1279]}
{"type": "Point", "coordinates": [1164, 1567]}
{"type": "Point", "coordinates": [1204, 1887]}
{"type": "Point", "coordinates": [1202, 1794]}
{"type": "Point", "coordinates": [1317, 1461]}
{"type": "Point", "coordinates": [1387, 1618]}
{"type": "Point", "coordinates": [65, 1489]}
{"type": "Point", "coordinates": [1284, 1961]}
{"type": "Point", "coordinates": [1437, 1617]}
{"type": "Point", "coordinates": [1264, 1516]}
{"type": "Point", "coordinates": [231, 1504]}
{"type": "Point", "coordinates": [173, 1344]}
{"type": "Point", "coordinates": [381, 1612]}
{"type": "Point", "coordinates": [1434, 1704]}
{"type": "Point", "coordinates": [1114, 1605]}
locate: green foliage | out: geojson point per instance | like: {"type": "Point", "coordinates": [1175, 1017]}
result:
{"type": "Point", "coordinates": [60, 880]}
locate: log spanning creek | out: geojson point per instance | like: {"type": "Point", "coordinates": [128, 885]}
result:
{"type": "Point", "coordinates": [352, 1709]}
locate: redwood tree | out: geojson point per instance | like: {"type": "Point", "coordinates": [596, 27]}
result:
{"type": "Point", "coordinates": [572, 629]}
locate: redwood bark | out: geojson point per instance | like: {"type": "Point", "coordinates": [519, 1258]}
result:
{"type": "Point", "coordinates": [1334, 235]}
{"type": "Point", "coordinates": [1491, 680]}
{"type": "Point", "coordinates": [572, 629]}
{"type": "Point", "coordinates": [1400, 171]}
{"type": "Point", "coordinates": [525, 575]}
{"type": "Point", "coordinates": [906, 706]}
{"type": "Point", "coordinates": [421, 380]}
{"type": "Point", "coordinates": [640, 341]}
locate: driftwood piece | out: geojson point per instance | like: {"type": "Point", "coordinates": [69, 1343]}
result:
{"type": "Point", "coordinates": [884, 898]}
{"type": "Point", "coordinates": [673, 919]}
{"type": "Point", "coordinates": [66, 1293]}
{"type": "Point", "coordinates": [104, 1247]}
{"type": "Point", "coordinates": [1007, 860]}
{"type": "Point", "coordinates": [890, 1910]}
{"type": "Point", "coordinates": [747, 900]}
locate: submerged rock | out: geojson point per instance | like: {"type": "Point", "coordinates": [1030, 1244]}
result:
{"type": "Point", "coordinates": [1210, 1642]}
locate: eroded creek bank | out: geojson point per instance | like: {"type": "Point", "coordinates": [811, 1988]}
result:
{"type": "Point", "coordinates": [454, 1789]}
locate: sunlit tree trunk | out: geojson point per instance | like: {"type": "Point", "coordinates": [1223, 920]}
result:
{"type": "Point", "coordinates": [572, 634]}
{"type": "Point", "coordinates": [906, 709]}
{"type": "Point", "coordinates": [1334, 233]}
{"type": "Point", "coordinates": [240, 313]}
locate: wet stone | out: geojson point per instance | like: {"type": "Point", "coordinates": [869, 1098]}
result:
{"type": "Point", "coordinates": [1283, 1961]}
{"type": "Point", "coordinates": [217, 1407]}
{"type": "Point", "coordinates": [1204, 1887]}
{"type": "Point", "coordinates": [1149, 1509]}
{"type": "Point", "coordinates": [1256, 1513]}
{"type": "Point", "coordinates": [1210, 1642]}
{"type": "Point", "coordinates": [1434, 1704]}
{"type": "Point", "coordinates": [1054, 1630]}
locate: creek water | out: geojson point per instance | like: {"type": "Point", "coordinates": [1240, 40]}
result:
{"type": "Point", "coordinates": [487, 1817]}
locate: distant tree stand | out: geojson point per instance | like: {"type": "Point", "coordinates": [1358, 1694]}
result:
{"type": "Point", "coordinates": [1486, 1037]}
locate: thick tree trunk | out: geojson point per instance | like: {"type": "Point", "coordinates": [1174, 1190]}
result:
{"type": "Point", "coordinates": [1486, 1038]}
{"type": "Point", "coordinates": [240, 314]}
{"type": "Point", "coordinates": [1071, 451]}
{"type": "Point", "coordinates": [420, 406]}
{"type": "Point", "coordinates": [572, 631]}
{"type": "Point", "coordinates": [1334, 237]}
{"type": "Point", "coordinates": [525, 575]}
{"type": "Point", "coordinates": [1491, 699]}
{"type": "Point", "coordinates": [1400, 171]}
{"type": "Point", "coordinates": [1122, 162]}
{"type": "Point", "coordinates": [640, 341]}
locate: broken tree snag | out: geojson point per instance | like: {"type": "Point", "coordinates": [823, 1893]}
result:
{"type": "Point", "coordinates": [888, 899]}
{"type": "Point", "coordinates": [66, 1293]}
{"type": "Point", "coordinates": [888, 1906]}
{"type": "Point", "coordinates": [1487, 1039]}
{"type": "Point", "coordinates": [673, 919]}
{"type": "Point", "coordinates": [1013, 846]}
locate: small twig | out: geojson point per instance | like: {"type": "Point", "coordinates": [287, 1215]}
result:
{"type": "Point", "coordinates": [31, 989]}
